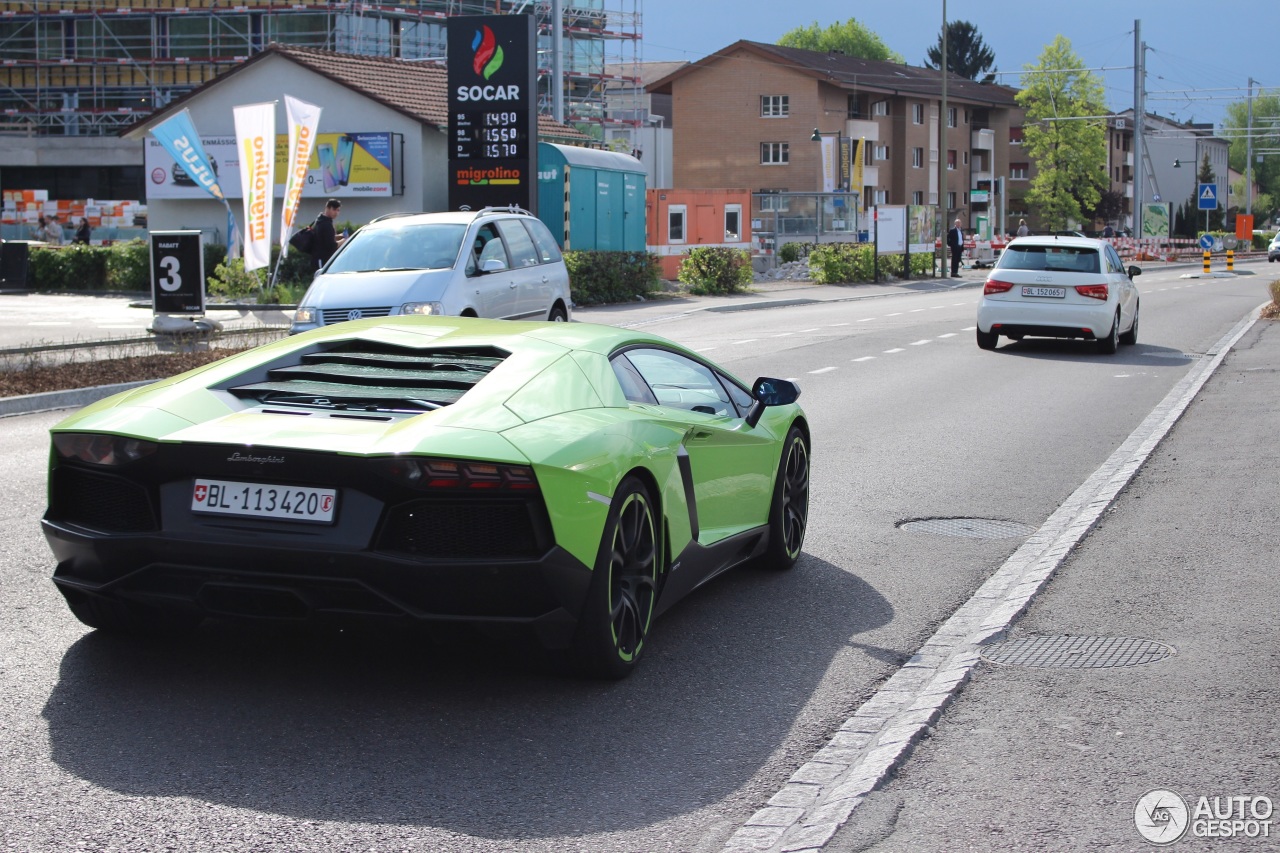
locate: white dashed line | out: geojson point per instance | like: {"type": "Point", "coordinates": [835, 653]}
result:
{"type": "Point", "coordinates": [801, 332]}
{"type": "Point", "coordinates": [899, 349]}
{"type": "Point", "coordinates": [866, 358]}
{"type": "Point", "coordinates": [783, 335]}
{"type": "Point", "coordinates": [969, 328]}
{"type": "Point", "coordinates": [705, 349]}
{"type": "Point", "coordinates": [895, 314]}
{"type": "Point", "coordinates": [947, 335]}
{"type": "Point", "coordinates": [919, 343]}
{"type": "Point", "coordinates": [914, 311]}
{"type": "Point", "coordinates": [833, 325]}
{"type": "Point", "coordinates": [866, 319]}
{"type": "Point", "coordinates": [747, 341]}
{"type": "Point", "coordinates": [822, 370]}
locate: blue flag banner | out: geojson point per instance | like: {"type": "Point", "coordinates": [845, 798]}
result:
{"type": "Point", "coordinates": [178, 136]}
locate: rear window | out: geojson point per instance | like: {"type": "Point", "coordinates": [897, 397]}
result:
{"type": "Point", "coordinates": [1050, 258]}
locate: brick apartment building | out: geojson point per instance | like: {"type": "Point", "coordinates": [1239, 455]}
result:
{"type": "Point", "coordinates": [746, 115]}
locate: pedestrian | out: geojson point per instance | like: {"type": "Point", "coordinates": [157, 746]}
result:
{"type": "Point", "coordinates": [326, 239]}
{"type": "Point", "coordinates": [1022, 228]}
{"type": "Point", "coordinates": [51, 232]}
{"type": "Point", "coordinates": [1108, 231]}
{"type": "Point", "coordinates": [955, 242]}
{"type": "Point", "coordinates": [83, 232]}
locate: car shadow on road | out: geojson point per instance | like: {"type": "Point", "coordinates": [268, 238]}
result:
{"type": "Point", "coordinates": [1068, 349]}
{"type": "Point", "coordinates": [484, 739]}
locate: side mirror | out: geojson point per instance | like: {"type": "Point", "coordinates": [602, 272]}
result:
{"type": "Point", "coordinates": [770, 392]}
{"type": "Point", "coordinates": [492, 265]}
{"type": "Point", "coordinates": [1134, 272]}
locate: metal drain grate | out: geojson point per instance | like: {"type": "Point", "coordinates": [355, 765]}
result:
{"type": "Point", "coordinates": [973, 528]}
{"type": "Point", "coordinates": [1077, 652]}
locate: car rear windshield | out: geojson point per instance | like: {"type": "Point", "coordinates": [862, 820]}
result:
{"type": "Point", "coordinates": [1050, 258]}
{"type": "Point", "coordinates": [402, 247]}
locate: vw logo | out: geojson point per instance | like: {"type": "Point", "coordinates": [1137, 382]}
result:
{"type": "Point", "coordinates": [354, 314]}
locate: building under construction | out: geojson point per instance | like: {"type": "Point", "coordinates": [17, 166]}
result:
{"type": "Point", "coordinates": [91, 67]}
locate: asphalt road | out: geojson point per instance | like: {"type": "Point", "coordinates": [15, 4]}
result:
{"type": "Point", "coordinates": [253, 739]}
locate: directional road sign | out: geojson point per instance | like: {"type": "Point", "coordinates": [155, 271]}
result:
{"type": "Point", "coordinates": [1208, 197]}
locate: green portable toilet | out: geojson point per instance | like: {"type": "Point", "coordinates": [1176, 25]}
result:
{"type": "Point", "coordinates": [591, 199]}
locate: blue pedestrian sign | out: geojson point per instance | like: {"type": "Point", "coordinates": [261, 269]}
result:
{"type": "Point", "coordinates": [1208, 197]}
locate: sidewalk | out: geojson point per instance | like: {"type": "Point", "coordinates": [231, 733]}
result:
{"type": "Point", "coordinates": [1057, 756]}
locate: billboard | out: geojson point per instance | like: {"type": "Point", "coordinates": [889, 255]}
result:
{"type": "Point", "coordinates": [493, 120]}
{"type": "Point", "coordinates": [343, 165]}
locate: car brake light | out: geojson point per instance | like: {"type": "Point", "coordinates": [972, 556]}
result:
{"type": "Point", "coordinates": [98, 449]}
{"type": "Point", "coordinates": [1093, 291]}
{"type": "Point", "coordinates": [461, 475]}
{"type": "Point", "coordinates": [995, 285]}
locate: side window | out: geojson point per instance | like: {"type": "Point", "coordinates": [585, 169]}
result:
{"type": "Point", "coordinates": [1113, 259]}
{"type": "Point", "coordinates": [681, 382]}
{"type": "Point", "coordinates": [633, 384]}
{"type": "Point", "coordinates": [740, 396]}
{"type": "Point", "coordinates": [548, 251]}
{"type": "Point", "coordinates": [487, 245]}
{"type": "Point", "coordinates": [519, 243]}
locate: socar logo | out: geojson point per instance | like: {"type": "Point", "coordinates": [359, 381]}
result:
{"type": "Point", "coordinates": [488, 54]}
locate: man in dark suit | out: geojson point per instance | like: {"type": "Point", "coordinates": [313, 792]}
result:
{"type": "Point", "coordinates": [955, 242]}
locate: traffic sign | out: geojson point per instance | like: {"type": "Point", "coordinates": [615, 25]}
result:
{"type": "Point", "coordinates": [1208, 197]}
{"type": "Point", "coordinates": [1206, 242]}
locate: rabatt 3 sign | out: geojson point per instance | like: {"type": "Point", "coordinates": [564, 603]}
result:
{"type": "Point", "coordinates": [493, 117]}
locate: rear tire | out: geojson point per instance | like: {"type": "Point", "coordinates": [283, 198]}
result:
{"type": "Point", "coordinates": [1130, 337]}
{"type": "Point", "coordinates": [558, 315]}
{"type": "Point", "coordinates": [987, 340]}
{"type": "Point", "coordinates": [1111, 343]}
{"type": "Point", "coordinates": [619, 607]}
{"type": "Point", "coordinates": [789, 510]}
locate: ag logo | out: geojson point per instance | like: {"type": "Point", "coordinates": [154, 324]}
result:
{"type": "Point", "coordinates": [488, 54]}
{"type": "Point", "coordinates": [1161, 816]}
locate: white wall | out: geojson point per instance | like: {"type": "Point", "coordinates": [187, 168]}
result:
{"type": "Point", "coordinates": [342, 111]}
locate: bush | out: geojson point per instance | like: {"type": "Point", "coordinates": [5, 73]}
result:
{"type": "Point", "coordinates": [791, 252]}
{"type": "Point", "coordinates": [834, 263]}
{"type": "Point", "coordinates": [716, 269]}
{"type": "Point", "coordinates": [129, 266]}
{"type": "Point", "coordinates": [598, 278]}
{"type": "Point", "coordinates": [231, 280]}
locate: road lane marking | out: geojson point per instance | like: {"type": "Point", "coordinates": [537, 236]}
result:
{"type": "Point", "coordinates": [916, 310]}
{"type": "Point", "coordinates": [894, 314]}
{"type": "Point", "coordinates": [823, 370]}
{"type": "Point", "coordinates": [747, 341]}
{"type": "Point", "coordinates": [705, 349]}
{"type": "Point", "coordinates": [968, 328]}
{"type": "Point", "coordinates": [801, 332]}
{"type": "Point", "coordinates": [948, 335]}
{"type": "Point", "coordinates": [866, 358]}
{"type": "Point", "coordinates": [783, 335]}
{"type": "Point", "coordinates": [899, 349]}
{"type": "Point", "coordinates": [919, 343]}
{"type": "Point", "coordinates": [866, 319]}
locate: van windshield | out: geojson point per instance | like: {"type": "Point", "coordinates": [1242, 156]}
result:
{"type": "Point", "coordinates": [409, 247]}
{"type": "Point", "coordinates": [1051, 258]}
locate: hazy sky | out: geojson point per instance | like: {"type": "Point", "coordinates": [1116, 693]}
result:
{"type": "Point", "coordinates": [1197, 61]}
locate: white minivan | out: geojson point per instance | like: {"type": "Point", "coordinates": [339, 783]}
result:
{"type": "Point", "coordinates": [500, 263]}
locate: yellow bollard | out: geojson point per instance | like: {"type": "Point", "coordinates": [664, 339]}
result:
{"type": "Point", "coordinates": [1206, 261]}
{"type": "Point", "coordinates": [1231, 260]}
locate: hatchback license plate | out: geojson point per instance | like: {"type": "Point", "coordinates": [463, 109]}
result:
{"type": "Point", "coordinates": [261, 500]}
{"type": "Point", "coordinates": [1051, 292]}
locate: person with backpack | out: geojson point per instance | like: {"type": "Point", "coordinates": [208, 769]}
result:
{"type": "Point", "coordinates": [325, 240]}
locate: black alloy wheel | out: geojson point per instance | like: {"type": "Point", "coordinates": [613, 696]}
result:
{"type": "Point", "coordinates": [789, 513]}
{"type": "Point", "coordinates": [620, 601]}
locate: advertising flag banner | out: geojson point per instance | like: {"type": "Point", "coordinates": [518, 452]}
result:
{"type": "Point", "coordinates": [828, 164]}
{"type": "Point", "coordinates": [255, 140]}
{"type": "Point", "coordinates": [177, 134]}
{"type": "Point", "coordinates": [303, 120]}
{"type": "Point", "coordinates": [859, 157]}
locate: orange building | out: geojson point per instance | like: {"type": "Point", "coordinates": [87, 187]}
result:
{"type": "Point", "coordinates": [678, 220]}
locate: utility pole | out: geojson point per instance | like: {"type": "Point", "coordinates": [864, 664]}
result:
{"type": "Point", "coordinates": [1139, 125]}
{"type": "Point", "coordinates": [942, 149]}
{"type": "Point", "coordinates": [1248, 157]}
{"type": "Point", "coordinates": [557, 60]}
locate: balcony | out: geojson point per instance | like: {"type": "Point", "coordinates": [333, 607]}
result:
{"type": "Point", "coordinates": [984, 140]}
{"type": "Point", "coordinates": [861, 129]}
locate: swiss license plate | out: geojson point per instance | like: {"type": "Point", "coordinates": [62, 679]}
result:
{"type": "Point", "coordinates": [262, 500]}
{"type": "Point", "coordinates": [1051, 292]}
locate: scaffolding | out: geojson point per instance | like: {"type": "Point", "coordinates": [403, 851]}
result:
{"type": "Point", "coordinates": [91, 67]}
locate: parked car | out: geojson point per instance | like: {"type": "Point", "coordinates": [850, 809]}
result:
{"type": "Point", "coordinates": [1059, 287]}
{"type": "Point", "coordinates": [569, 480]}
{"type": "Point", "coordinates": [499, 263]}
{"type": "Point", "coordinates": [1273, 250]}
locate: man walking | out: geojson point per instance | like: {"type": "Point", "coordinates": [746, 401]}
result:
{"type": "Point", "coordinates": [955, 242]}
{"type": "Point", "coordinates": [326, 238]}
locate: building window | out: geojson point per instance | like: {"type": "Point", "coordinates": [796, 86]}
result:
{"type": "Point", "coordinates": [775, 106]}
{"type": "Point", "coordinates": [1018, 171]}
{"type": "Point", "coordinates": [965, 154]}
{"type": "Point", "coordinates": [854, 109]}
{"type": "Point", "coordinates": [882, 196]}
{"type": "Point", "coordinates": [951, 116]}
{"type": "Point", "coordinates": [917, 158]}
{"type": "Point", "coordinates": [775, 153]}
{"type": "Point", "coordinates": [917, 197]}
{"type": "Point", "coordinates": [675, 223]}
{"type": "Point", "coordinates": [951, 201]}
{"type": "Point", "coordinates": [880, 108]}
{"type": "Point", "coordinates": [868, 154]}
{"type": "Point", "coordinates": [951, 159]}
{"type": "Point", "coordinates": [733, 223]}
{"type": "Point", "coordinates": [882, 152]}
{"type": "Point", "coordinates": [917, 113]}
{"type": "Point", "coordinates": [1015, 136]}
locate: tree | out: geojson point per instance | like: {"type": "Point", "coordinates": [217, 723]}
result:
{"type": "Point", "coordinates": [849, 38]}
{"type": "Point", "coordinates": [1110, 206]}
{"type": "Point", "coordinates": [1266, 135]}
{"type": "Point", "coordinates": [1065, 135]}
{"type": "Point", "coordinates": [967, 55]}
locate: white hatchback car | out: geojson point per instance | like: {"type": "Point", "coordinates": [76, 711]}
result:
{"type": "Point", "coordinates": [500, 263]}
{"type": "Point", "coordinates": [1059, 287]}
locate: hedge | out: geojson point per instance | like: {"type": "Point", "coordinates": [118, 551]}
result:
{"type": "Point", "coordinates": [599, 278]}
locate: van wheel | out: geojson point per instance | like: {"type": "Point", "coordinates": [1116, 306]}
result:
{"type": "Point", "coordinates": [558, 314]}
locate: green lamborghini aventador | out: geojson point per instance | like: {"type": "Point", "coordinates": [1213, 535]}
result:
{"type": "Point", "coordinates": [572, 479]}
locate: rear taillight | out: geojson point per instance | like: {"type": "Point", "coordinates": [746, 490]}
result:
{"type": "Point", "coordinates": [1093, 291]}
{"type": "Point", "coordinates": [461, 475]}
{"type": "Point", "coordinates": [995, 285]}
